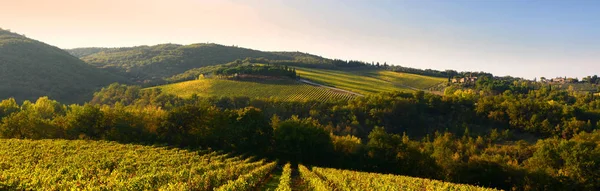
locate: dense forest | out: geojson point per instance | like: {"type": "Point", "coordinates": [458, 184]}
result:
{"type": "Point", "coordinates": [525, 140]}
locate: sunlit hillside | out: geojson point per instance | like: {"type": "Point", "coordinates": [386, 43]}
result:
{"type": "Point", "coordinates": [283, 89]}
{"type": "Point", "coordinates": [369, 80]}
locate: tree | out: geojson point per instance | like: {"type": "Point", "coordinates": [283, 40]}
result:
{"type": "Point", "coordinates": [8, 106]}
{"type": "Point", "coordinates": [253, 131]}
{"type": "Point", "coordinates": [46, 109]}
{"type": "Point", "coordinates": [189, 126]}
{"type": "Point", "coordinates": [576, 159]}
{"type": "Point", "coordinates": [27, 125]}
{"type": "Point", "coordinates": [302, 140]}
{"type": "Point", "coordinates": [84, 122]}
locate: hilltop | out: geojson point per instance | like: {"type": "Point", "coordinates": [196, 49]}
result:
{"type": "Point", "coordinates": [30, 69]}
{"type": "Point", "coordinates": [82, 52]}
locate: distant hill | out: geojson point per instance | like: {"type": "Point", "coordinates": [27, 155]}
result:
{"type": "Point", "coordinates": [304, 57]}
{"type": "Point", "coordinates": [30, 69]}
{"type": "Point", "coordinates": [82, 52]}
{"type": "Point", "coordinates": [168, 63]}
{"type": "Point", "coordinates": [145, 64]}
{"type": "Point", "coordinates": [152, 65]}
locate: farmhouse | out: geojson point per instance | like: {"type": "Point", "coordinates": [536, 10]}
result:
{"type": "Point", "coordinates": [561, 80]}
{"type": "Point", "coordinates": [464, 80]}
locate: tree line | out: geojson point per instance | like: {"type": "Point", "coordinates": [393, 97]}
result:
{"type": "Point", "coordinates": [257, 69]}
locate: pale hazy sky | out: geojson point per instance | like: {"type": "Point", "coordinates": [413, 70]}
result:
{"type": "Point", "coordinates": [514, 37]}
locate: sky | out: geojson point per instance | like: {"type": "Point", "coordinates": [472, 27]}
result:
{"type": "Point", "coordinates": [522, 38]}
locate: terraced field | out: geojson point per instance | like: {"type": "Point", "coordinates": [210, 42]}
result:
{"type": "Point", "coordinates": [369, 81]}
{"type": "Point", "coordinates": [102, 165]}
{"type": "Point", "coordinates": [284, 89]}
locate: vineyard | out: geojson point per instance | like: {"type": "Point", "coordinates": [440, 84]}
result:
{"type": "Point", "coordinates": [369, 80]}
{"type": "Point", "coordinates": [359, 81]}
{"type": "Point", "coordinates": [283, 89]}
{"type": "Point", "coordinates": [322, 179]}
{"type": "Point", "coordinates": [100, 165]}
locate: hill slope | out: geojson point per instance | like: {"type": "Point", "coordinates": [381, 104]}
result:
{"type": "Point", "coordinates": [316, 84]}
{"type": "Point", "coordinates": [152, 63]}
{"type": "Point", "coordinates": [367, 81]}
{"type": "Point", "coordinates": [30, 69]}
{"type": "Point", "coordinates": [284, 89]}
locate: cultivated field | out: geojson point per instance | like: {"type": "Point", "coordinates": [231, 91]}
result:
{"type": "Point", "coordinates": [103, 165]}
{"type": "Point", "coordinates": [283, 89]}
{"type": "Point", "coordinates": [369, 81]}
{"type": "Point", "coordinates": [323, 179]}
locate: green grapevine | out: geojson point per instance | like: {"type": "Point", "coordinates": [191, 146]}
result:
{"type": "Point", "coordinates": [285, 179]}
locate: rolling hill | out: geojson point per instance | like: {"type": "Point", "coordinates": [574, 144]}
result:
{"type": "Point", "coordinates": [148, 64]}
{"type": "Point", "coordinates": [314, 84]}
{"type": "Point", "coordinates": [283, 89]}
{"type": "Point", "coordinates": [172, 63]}
{"type": "Point", "coordinates": [366, 81]}
{"type": "Point", "coordinates": [30, 69]}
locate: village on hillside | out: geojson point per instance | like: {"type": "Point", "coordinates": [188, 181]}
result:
{"type": "Point", "coordinates": [558, 80]}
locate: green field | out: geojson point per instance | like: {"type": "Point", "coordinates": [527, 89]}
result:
{"type": "Point", "coordinates": [369, 81]}
{"type": "Point", "coordinates": [284, 89]}
{"type": "Point", "coordinates": [103, 165]}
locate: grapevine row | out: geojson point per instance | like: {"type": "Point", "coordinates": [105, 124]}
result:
{"type": "Point", "coordinates": [250, 180]}
{"type": "Point", "coordinates": [101, 165]}
{"type": "Point", "coordinates": [353, 180]}
{"type": "Point", "coordinates": [214, 178]}
{"type": "Point", "coordinates": [308, 92]}
{"type": "Point", "coordinates": [313, 181]}
{"type": "Point", "coordinates": [285, 179]}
